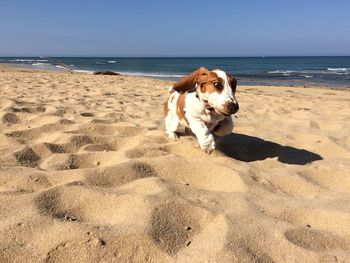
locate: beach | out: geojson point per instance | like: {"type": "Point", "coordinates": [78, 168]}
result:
{"type": "Point", "coordinates": [88, 175]}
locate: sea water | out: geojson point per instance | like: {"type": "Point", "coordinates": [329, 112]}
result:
{"type": "Point", "coordinates": [292, 71]}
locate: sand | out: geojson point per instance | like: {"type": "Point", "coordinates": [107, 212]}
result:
{"type": "Point", "coordinates": [87, 175]}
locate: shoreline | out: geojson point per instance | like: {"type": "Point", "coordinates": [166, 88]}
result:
{"type": "Point", "coordinates": [278, 71]}
{"type": "Point", "coordinates": [61, 70]}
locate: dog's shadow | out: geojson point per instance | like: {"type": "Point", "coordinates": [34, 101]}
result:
{"type": "Point", "coordinates": [249, 149]}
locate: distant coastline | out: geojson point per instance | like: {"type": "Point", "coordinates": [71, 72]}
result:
{"type": "Point", "coordinates": [332, 71]}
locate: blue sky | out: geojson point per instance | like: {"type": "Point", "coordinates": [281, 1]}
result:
{"type": "Point", "coordinates": [174, 27]}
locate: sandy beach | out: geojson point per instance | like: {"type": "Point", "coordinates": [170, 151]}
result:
{"type": "Point", "coordinates": [88, 175]}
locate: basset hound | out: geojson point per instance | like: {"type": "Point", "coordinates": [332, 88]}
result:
{"type": "Point", "coordinates": [204, 102]}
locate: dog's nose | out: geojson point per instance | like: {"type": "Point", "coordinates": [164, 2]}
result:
{"type": "Point", "coordinates": [234, 107]}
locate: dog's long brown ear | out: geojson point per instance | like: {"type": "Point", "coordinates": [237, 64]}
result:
{"type": "Point", "coordinates": [232, 81]}
{"type": "Point", "coordinates": [187, 83]}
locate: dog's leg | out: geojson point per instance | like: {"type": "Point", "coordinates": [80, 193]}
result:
{"type": "Point", "coordinates": [205, 138]}
{"type": "Point", "coordinates": [171, 125]}
{"type": "Point", "coordinates": [224, 127]}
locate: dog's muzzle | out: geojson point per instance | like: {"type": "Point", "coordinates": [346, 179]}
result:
{"type": "Point", "coordinates": [234, 107]}
{"type": "Point", "coordinates": [230, 108]}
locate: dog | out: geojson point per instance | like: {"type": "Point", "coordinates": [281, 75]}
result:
{"type": "Point", "coordinates": [204, 102]}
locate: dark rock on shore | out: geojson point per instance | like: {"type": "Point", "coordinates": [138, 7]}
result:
{"type": "Point", "coordinates": [106, 73]}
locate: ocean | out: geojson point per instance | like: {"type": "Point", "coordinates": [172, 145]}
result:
{"type": "Point", "coordinates": [290, 71]}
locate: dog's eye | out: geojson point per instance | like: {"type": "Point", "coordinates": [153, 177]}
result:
{"type": "Point", "coordinates": [217, 85]}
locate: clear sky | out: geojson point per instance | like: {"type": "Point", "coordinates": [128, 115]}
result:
{"type": "Point", "coordinates": [174, 27]}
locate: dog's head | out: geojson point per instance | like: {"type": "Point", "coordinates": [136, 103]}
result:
{"type": "Point", "coordinates": [215, 88]}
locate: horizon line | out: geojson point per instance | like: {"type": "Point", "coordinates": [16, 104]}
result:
{"type": "Point", "coordinates": [165, 56]}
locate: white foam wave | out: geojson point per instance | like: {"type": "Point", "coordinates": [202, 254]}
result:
{"type": "Point", "coordinates": [28, 60]}
{"type": "Point", "coordinates": [112, 61]}
{"type": "Point", "coordinates": [41, 64]}
{"type": "Point", "coordinates": [156, 74]}
{"type": "Point", "coordinates": [341, 73]}
{"type": "Point", "coordinates": [83, 71]}
{"type": "Point", "coordinates": [280, 71]}
{"type": "Point", "coordinates": [307, 76]}
{"type": "Point", "coordinates": [338, 69]}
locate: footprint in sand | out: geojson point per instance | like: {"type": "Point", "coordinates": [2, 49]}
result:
{"type": "Point", "coordinates": [118, 175]}
{"type": "Point", "coordinates": [54, 148]}
{"type": "Point", "coordinates": [75, 142]}
{"type": "Point", "coordinates": [87, 114]}
{"type": "Point", "coordinates": [99, 147]}
{"type": "Point", "coordinates": [94, 207]}
{"type": "Point", "coordinates": [72, 144]}
{"type": "Point", "coordinates": [56, 156]}
{"type": "Point", "coordinates": [38, 132]}
{"type": "Point", "coordinates": [59, 162]}
{"type": "Point", "coordinates": [10, 118]}
{"type": "Point", "coordinates": [184, 230]}
{"type": "Point", "coordinates": [33, 110]}
{"type": "Point", "coordinates": [27, 157]}
{"type": "Point", "coordinates": [140, 151]}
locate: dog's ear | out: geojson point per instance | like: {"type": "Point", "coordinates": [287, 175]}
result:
{"type": "Point", "coordinates": [187, 83]}
{"type": "Point", "coordinates": [232, 81]}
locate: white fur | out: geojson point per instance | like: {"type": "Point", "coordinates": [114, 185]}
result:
{"type": "Point", "coordinates": [201, 120]}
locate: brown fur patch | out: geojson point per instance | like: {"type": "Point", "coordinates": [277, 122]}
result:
{"type": "Point", "coordinates": [207, 80]}
{"type": "Point", "coordinates": [187, 83]}
{"type": "Point", "coordinates": [180, 112]}
{"type": "Point", "coordinates": [232, 81]}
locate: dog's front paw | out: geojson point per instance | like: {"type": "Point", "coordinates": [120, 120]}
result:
{"type": "Point", "coordinates": [173, 136]}
{"type": "Point", "coordinates": [208, 145]}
